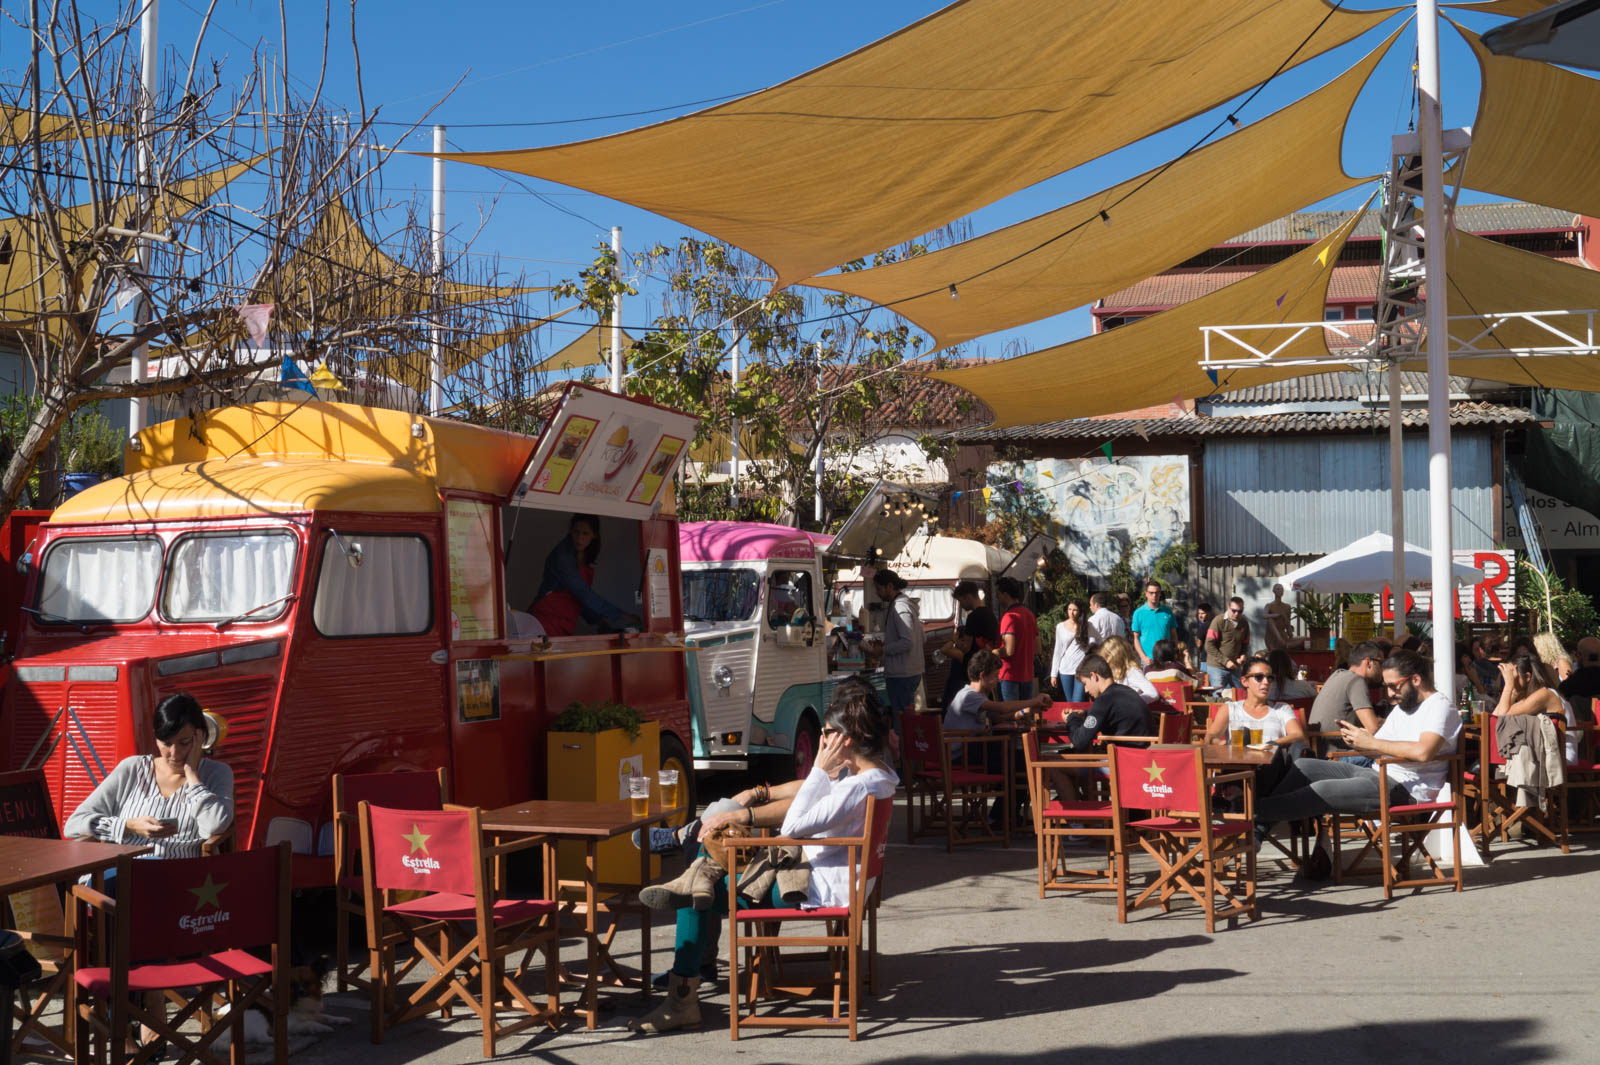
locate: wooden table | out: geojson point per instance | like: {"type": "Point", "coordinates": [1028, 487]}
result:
{"type": "Point", "coordinates": [591, 823]}
{"type": "Point", "coordinates": [28, 862]}
{"type": "Point", "coordinates": [1221, 756]}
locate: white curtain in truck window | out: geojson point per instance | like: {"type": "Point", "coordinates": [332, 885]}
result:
{"type": "Point", "coordinates": [214, 577]}
{"type": "Point", "coordinates": [387, 594]}
{"type": "Point", "coordinates": [99, 580]}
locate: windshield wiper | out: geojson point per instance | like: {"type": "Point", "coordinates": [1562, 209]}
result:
{"type": "Point", "coordinates": [56, 619]}
{"type": "Point", "coordinates": [220, 625]}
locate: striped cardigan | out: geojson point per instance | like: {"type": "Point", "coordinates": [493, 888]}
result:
{"type": "Point", "coordinates": [203, 810]}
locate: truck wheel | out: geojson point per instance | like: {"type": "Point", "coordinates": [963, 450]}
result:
{"type": "Point", "coordinates": [674, 756]}
{"type": "Point", "coordinates": [806, 738]}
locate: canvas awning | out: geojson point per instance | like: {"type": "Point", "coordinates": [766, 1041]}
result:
{"type": "Point", "coordinates": [413, 369]}
{"type": "Point", "coordinates": [1367, 565]}
{"type": "Point", "coordinates": [1157, 359]}
{"type": "Point", "coordinates": [591, 348]}
{"type": "Point", "coordinates": [956, 111]}
{"type": "Point", "coordinates": [1529, 141]}
{"type": "Point", "coordinates": [1568, 34]}
{"type": "Point", "coordinates": [16, 127]}
{"type": "Point", "coordinates": [1274, 166]}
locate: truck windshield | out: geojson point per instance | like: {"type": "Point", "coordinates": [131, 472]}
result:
{"type": "Point", "coordinates": [212, 577]}
{"type": "Point", "coordinates": [720, 594]}
{"type": "Point", "coordinates": [89, 580]}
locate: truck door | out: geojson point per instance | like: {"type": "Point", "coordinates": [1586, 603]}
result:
{"type": "Point", "coordinates": [792, 648]}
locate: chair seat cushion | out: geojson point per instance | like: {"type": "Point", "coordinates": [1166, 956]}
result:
{"type": "Point", "coordinates": [445, 906]}
{"type": "Point", "coordinates": [212, 969]}
{"type": "Point", "coordinates": [353, 884]}
{"type": "Point", "coordinates": [1077, 809]}
{"type": "Point", "coordinates": [1174, 824]}
{"type": "Point", "coordinates": [786, 914]}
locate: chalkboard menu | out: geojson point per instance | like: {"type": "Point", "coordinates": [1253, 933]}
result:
{"type": "Point", "coordinates": [25, 807]}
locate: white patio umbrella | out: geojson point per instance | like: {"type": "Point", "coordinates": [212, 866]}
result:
{"type": "Point", "coordinates": [1367, 565]}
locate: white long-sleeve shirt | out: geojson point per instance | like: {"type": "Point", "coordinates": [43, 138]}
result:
{"type": "Point", "coordinates": [826, 807]}
{"type": "Point", "coordinates": [1069, 653]}
{"type": "Point", "coordinates": [202, 810]}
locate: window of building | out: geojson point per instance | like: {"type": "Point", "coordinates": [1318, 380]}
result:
{"type": "Point", "coordinates": [1366, 314]}
{"type": "Point", "coordinates": [1333, 314]}
{"type": "Point", "coordinates": [374, 585]}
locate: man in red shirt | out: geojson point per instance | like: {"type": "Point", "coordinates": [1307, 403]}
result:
{"type": "Point", "coordinates": [1019, 636]}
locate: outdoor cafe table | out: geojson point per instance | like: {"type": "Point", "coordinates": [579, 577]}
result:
{"type": "Point", "coordinates": [29, 862]}
{"type": "Point", "coordinates": [591, 823]}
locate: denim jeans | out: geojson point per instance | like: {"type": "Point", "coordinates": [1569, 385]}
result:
{"type": "Point", "coordinates": [902, 693]}
{"type": "Point", "coordinates": [1072, 689]}
{"type": "Point", "coordinates": [1223, 678]}
{"type": "Point", "coordinates": [1011, 690]}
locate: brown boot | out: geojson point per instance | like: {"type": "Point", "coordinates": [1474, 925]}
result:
{"type": "Point", "coordinates": [696, 886]}
{"type": "Point", "coordinates": [680, 1010]}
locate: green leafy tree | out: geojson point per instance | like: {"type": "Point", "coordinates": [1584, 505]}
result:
{"type": "Point", "coordinates": [1551, 605]}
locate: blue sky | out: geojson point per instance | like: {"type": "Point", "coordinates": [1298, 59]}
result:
{"type": "Point", "coordinates": [554, 67]}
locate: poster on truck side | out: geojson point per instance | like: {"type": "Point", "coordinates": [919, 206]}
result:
{"type": "Point", "coordinates": [605, 454]}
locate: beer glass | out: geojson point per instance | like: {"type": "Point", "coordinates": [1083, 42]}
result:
{"type": "Point", "coordinates": [1239, 737]}
{"type": "Point", "coordinates": [639, 795]}
{"type": "Point", "coordinates": [1255, 737]}
{"type": "Point", "coordinates": [668, 780]}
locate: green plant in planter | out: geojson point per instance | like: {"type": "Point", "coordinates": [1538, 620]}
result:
{"type": "Point", "coordinates": [598, 717]}
{"type": "Point", "coordinates": [1317, 611]}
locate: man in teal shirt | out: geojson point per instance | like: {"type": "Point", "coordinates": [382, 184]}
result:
{"type": "Point", "coordinates": [1152, 622]}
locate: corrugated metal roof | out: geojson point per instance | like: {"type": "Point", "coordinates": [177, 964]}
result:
{"type": "Point", "coordinates": [1311, 226]}
{"type": "Point", "coordinates": [1195, 426]}
{"type": "Point", "coordinates": [1339, 386]}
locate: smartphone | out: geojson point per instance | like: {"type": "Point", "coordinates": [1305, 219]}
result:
{"type": "Point", "coordinates": [170, 823]}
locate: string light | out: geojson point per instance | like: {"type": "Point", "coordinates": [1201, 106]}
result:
{"type": "Point", "coordinates": [954, 295]}
{"type": "Point", "coordinates": [1105, 218]}
{"type": "Point", "coordinates": [1235, 120]}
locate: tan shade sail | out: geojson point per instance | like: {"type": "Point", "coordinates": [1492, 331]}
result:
{"type": "Point", "coordinates": [1264, 171]}
{"type": "Point", "coordinates": [340, 273]}
{"type": "Point", "coordinates": [32, 293]}
{"type": "Point", "coordinates": [592, 348]}
{"type": "Point", "coordinates": [1533, 139]}
{"type": "Point", "coordinates": [16, 127]}
{"type": "Point", "coordinates": [954, 112]}
{"type": "Point", "coordinates": [413, 369]}
{"type": "Point", "coordinates": [1157, 359]}
{"type": "Point", "coordinates": [1487, 277]}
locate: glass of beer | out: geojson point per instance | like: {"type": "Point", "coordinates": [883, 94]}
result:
{"type": "Point", "coordinates": [1255, 737]}
{"type": "Point", "coordinates": [668, 781]}
{"type": "Point", "coordinates": [639, 795]}
{"type": "Point", "coordinates": [1239, 738]}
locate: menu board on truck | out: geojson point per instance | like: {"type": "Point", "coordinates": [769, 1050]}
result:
{"type": "Point", "coordinates": [605, 454]}
{"type": "Point", "coordinates": [470, 529]}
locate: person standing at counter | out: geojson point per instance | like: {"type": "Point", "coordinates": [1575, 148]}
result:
{"type": "Point", "coordinates": [979, 632]}
{"type": "Point", "coordinates": [902, 642]}
{"type": "Point", "coordinates": [566, 591]}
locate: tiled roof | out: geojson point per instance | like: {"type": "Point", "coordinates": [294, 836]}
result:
{"type": "Point", "coordinates": [1194, 426]}
{"type": "Point", "coordinates": [1310, 226]}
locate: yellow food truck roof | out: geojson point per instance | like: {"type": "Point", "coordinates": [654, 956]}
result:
{"type": "Point", "coordinates": [274, 458]}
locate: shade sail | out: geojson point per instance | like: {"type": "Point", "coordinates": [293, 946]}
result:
{"type": "Point", "coordinates": [339, 272]}
{"type": "Point", "coordinates": [1158, 219]}
{"type": "Point", "coordinates": [592, 348]}
{"type": "Point", "coordinates": [1368, 566]}
{"type": "Point", "coordinates": [16, 127]}
{"type": "Point", "coordinates": [414, 369]}
{"type": "Point", "coordinates": [954, 112]}
{"type": "Point", "coordinates": [1487, 277]}
{"type": "Point", "coordinates": [1526, 142]}
{"type": "Point", "coordinates": [1157, 359]}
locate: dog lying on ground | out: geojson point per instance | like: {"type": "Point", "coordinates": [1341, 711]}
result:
{"type": "Point", "coordinates": [306, 1013]}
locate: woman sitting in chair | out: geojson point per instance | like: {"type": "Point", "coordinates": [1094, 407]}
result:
{"type": "Point", "coordinates": [176, 799]}
{"type": "Point", "coordinates": [849, 772]}
{"type": "Point", "coordinates": [1276, 721]}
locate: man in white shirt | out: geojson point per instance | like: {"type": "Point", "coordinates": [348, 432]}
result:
{"type": "Point", "coordinates": [1104, 623]}
{"type": "Point", "coordinates": [1422, 729]}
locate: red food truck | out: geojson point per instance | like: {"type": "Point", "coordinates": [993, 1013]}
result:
{"type": "Point", "coordinates": [343, 586]}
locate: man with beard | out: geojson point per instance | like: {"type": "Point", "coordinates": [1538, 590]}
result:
{"type": "Point", "coordinates": [1422, 729]}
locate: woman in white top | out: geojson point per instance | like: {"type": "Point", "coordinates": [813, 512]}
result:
{"type": "Point", "coordinates": [850, 771]}
{"type": "Point", "coordinates": [1277, 722]}
{"type": "Point", "coordinates": [1074, 638]}
{"type": "Point", "coordinates": [1124, 663]}
{"type": "Point", "coordinates": [1528, 690]}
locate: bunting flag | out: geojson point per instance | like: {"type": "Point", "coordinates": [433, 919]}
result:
{"type": "Point", "coordinates": [1322, 257]}
{"type": "Point", "coordinates": [325, 379]}
{"type": "Point", "coordinates": [1213, 375]}
{"type": "Point", "coordinates": [1048, 472]}
{"type": "Point", "coordinates": [986, 493]}
{"type": "Point", "coordinates": [256, 317]}
{"type": "Point", "coordinates": [127, 291]}
{"type": "Point", "coordinates": [1279, 301]}
{"type": "Point", "coordinates": [1144, 434]}
{"type": "Point", "coordinates": [1106, 447]}
{"type": "Point", "coordinates": [291, 376]}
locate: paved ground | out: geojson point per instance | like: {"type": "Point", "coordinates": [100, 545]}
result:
{"type": "Point", "coordinates": [975, 967]}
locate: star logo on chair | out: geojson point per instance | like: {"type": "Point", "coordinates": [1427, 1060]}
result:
{"type": "Point", "coordinates": [1155, 773]}
{"type": "Point", "coordinates": [418, 841]}
{"type": "Point", "coordinates": [207, 894]}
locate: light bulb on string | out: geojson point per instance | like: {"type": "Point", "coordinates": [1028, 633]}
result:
{"type": "Point", "coordinates": [954, 295]}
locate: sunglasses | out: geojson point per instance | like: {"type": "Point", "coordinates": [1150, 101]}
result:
{"type": "Point", "coordinates": [1235, 610]}
{"type": "Point", "coordinates": [1258, 676]}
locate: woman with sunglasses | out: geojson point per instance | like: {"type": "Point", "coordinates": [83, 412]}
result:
{"type": "Point", "coordinates": [1529, 689]}
{"type": "Point", "coordinates": [1277, 722]}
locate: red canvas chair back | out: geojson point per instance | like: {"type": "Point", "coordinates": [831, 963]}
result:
{"type": "Point", "coordinates": [182, 906]}
{"type": "Point", "coordinates": [1030, 746]}
{"type": "Point", "coordinates": [1489, 728]}
{"type": "Point", "coordinates": [1301, 707]}
{"type": "Point", "coordinates": [422, 850]}
{"type": "Point", "coordinates": [1175, 692]}
{"type": "Point", "coordinates": [1057, 713]}
{"type": "Point", "coordinates": [1156, 779]}
{"type": "Point", "coordinates": [878, 845]}
{"type": "Point", "coordinates": [920, 736]}
{"type": "Point", "coordinates": [394, 791]}
{"type": "Point", "coordinates": [1172, 726]}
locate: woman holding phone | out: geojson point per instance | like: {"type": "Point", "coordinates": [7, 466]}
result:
{"type": "Point", "coordinates": [176, 799]}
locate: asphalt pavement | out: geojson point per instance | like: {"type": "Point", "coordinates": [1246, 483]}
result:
{"type": "Point", "coordinates": [975, 967]}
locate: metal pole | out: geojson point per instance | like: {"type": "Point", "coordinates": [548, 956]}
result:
{"type": "Point", "coordinates": [733, 433]}
{"type": "Point", "coordinates": [1430, 126]}
{"type": "Point", "coordinates": [1397, 503]}
{"type": "Point", "coordinates": [618, 364]}
{"type": "Point", "coordinates": [819, 436]}
{"type": "Point", "coordinates": [436, 355]}
{"type": "Point", "coordinates": [149, 61]}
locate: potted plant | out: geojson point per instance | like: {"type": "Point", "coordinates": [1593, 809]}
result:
{"type": "Point", "coordinates": [592, 749]}
{"type": "Point", "coordinates": [1317, 613]}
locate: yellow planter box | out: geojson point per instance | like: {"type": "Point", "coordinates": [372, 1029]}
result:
{"type": "Point", "coordinates": [594, 767]}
